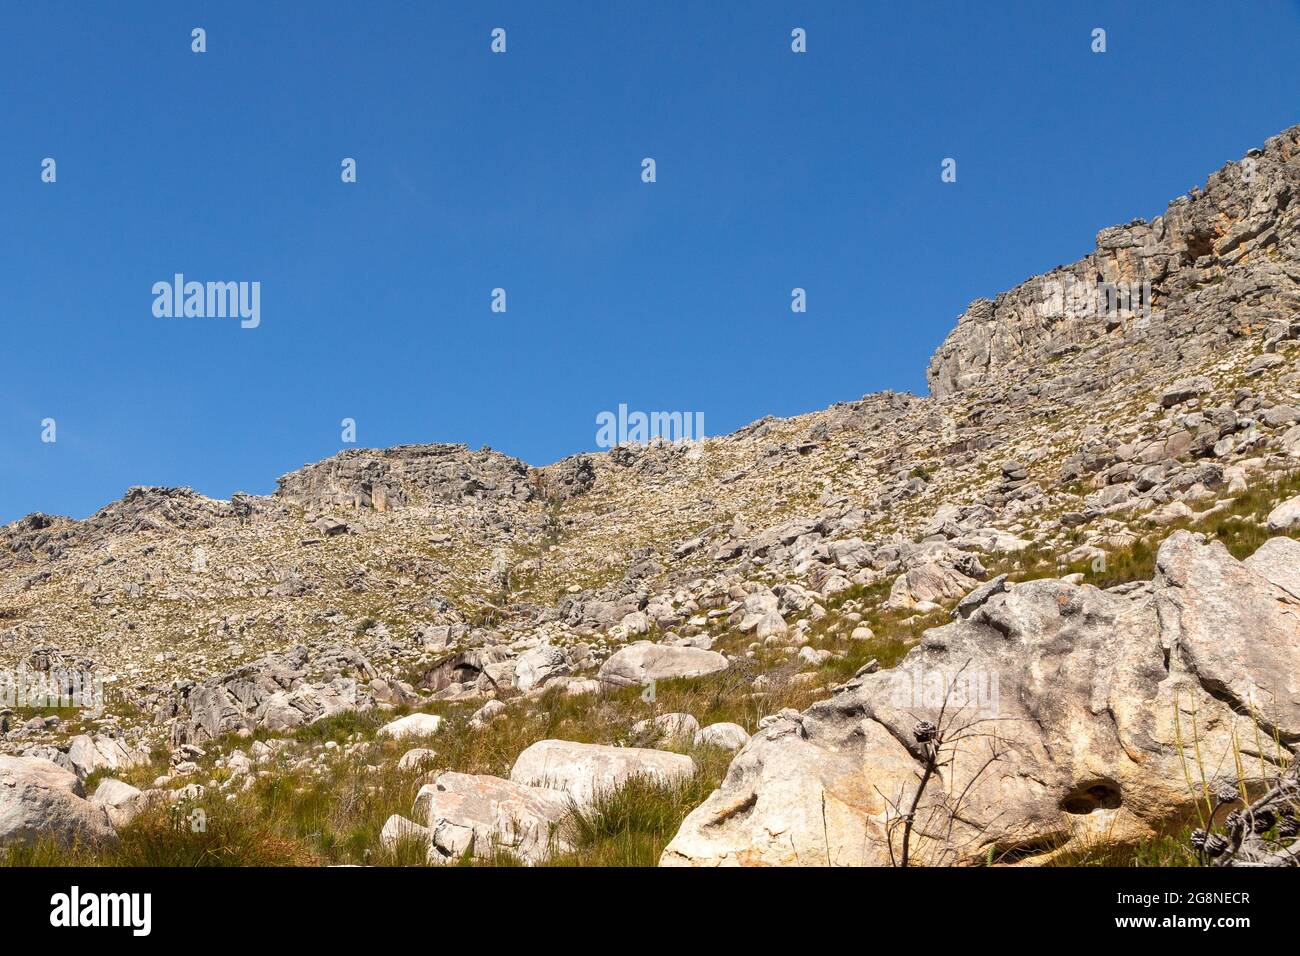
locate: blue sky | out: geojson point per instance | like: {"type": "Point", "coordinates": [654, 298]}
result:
{"type": "Point", "coordinates": [522, 171]}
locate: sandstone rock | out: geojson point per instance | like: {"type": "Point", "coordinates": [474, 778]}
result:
{"type": "Point", "coordinates": [667, 728]}
{"type": "Point", "coordinates": [1186, 389]}
{"type": "Point", "coordinates": [814, 656]}
{"type": "Point", "coordinates": [770, 625]}
{"type": "Point", "coordinates": [584, 771]}
{"type": "Point", "coordinates": [967, 605]}
{"type": "Point", "coordinates": [398, 829]}
{"type": "Point", "coordinates": [330, 527]}
{"type": "Point", "coordinates": [39, 799]}
{"type": "Point", "coordinates": [397, 693]}
{"type": "Point", "coordinates": [639, 663]}
{"type": "Point", "coordinates": [1088, 694]}
{"type": "Point", "coordinates": [725, 735]}
{"type": "Point", "coordinates": [1262, 363]}
{"type": "Point", "coordinates": [272, 692]}
{"type": "Point", "coordinates": [121, 801]}
{"type": "Point", "coordinates": [417, 759]}
{"type": "Point", "coordinates": [87, 754]}
{"type": "Point", "coordinates": [483, 815]}
{"type": "Point", "coordinates": [931, 583]}
{"type": "Point", "coordinates": [306, 704]}
{"type": "Point", "coordinates": [413, 725]}
{"type": "Point", "coordinates": [1235, 625]}
{"type": "Point", "coordinates": [1291, 442]}
{"type": "Point", "coordinates": [1280, 415]}
{"type": "Point", "coordinates": [487, 713]}
{"type": "Point", "coordinates": [1170, 513]}
{"type": "Point", "coordinates": [1285, 516]}
{"type": "Point", "coordinates": [581, 688]}
{"type": "Point", "coordinates": [535, 667]}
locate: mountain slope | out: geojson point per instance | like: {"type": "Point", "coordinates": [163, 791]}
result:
{"type": "Point", "coordinates": [1059, 437]}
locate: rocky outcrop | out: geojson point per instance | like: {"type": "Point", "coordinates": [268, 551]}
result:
{"type": "Point", "coordinates": [434, 576]}
{"type": "Point", "coordinates": [86, 754]}
{"type": "Point", "coordinates": [1072, 713]}
{"type": "Point", "coordinates": [274, 693]}
{"type": "Point", "coordinates": [1219, 263]}
{"type": "Point", "coordinates": [391, 478]}
{"type": "Point", "coordinates": [570, 478]}
{"type": "Point", "coordinates": [142, 509]}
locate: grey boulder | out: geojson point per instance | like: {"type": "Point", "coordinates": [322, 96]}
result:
{"type": "Point", "coordinates": [642, 662]}
{"type": "Point", "coordinates": [483, 816]}
{"type": "Point", "coordinates": [39, 799]}
{"type": "Point", "coordinates": [588, 771]}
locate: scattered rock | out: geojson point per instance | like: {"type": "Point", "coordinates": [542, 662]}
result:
{"type": "Point", "coordinates": [413, 725]}
{"type": "Point", "coordinates": [483, 816]}
{"type": "Point", "coordinates": [584, 771]}
{"type": "Point", "coordinates": [667, 728]}
{"type": "Point", "coordinates": [398, 829]}
{"type": "Point", "coordinates": [642, 662]}
{"type": "Point", "coordinates": [418, 759]}
{"type": "Point", "coordinates": [724, 735]}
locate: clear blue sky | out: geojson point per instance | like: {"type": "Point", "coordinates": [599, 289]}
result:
{"type": "Point", "coordinates": [522, 171]}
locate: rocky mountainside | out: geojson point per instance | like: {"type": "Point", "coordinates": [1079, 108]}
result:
{"type": "Point", "coordinates": [1089, 518]}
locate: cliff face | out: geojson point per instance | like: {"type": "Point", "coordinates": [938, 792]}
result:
{"type": "Point", "coordinates": [1220, 263]}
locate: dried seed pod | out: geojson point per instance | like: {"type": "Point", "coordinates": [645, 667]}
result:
{"type": "Point", "coordinates": [1226, 792]}
{"type": "Point", "coordinates": [1262, 820]}
{"type": "Point", "coordinates": [1215, 844]}
{"type": "Point", "coordinates": [925, 732]}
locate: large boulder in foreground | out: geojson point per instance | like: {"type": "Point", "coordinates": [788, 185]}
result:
{"type": "Point", "coordinates": [642, 662]}
{"type": "Point", "coordinates": [585, 771]}
{"type": "Point", "coordinates": [40, 799]}
{"type": "Point", "coordinates": [482, 816]}
{"type": "Point", "coordinates": [1079, 716]}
